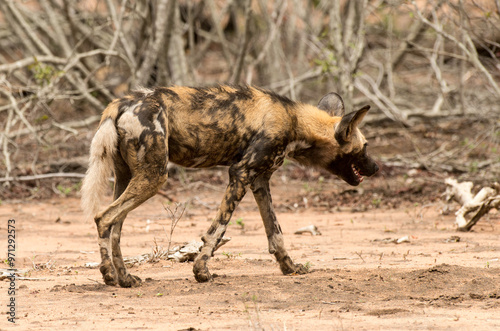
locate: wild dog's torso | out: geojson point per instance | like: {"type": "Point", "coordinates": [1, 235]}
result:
{"type": "Point", "coordinates": [241, 126]}
{"type": "Point", "coordinates": [205, 127]}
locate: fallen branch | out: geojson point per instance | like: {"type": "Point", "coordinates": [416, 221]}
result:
{"type": "Point", "coordinates": [312, 229]}
{"type": "Point", "coordinates": [7, 274]}
{"type": "Point", "coordinates": [184, 253]}
{"type": "Point", "coordinates": [41, 176]}
{"type": "Point", "coordinates": [479, 205]}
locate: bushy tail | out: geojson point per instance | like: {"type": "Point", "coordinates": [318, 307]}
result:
{"type": "Point", "coordinates": [102, 149]}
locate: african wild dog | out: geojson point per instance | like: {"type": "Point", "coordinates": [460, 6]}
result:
{"type": "Point", "coordinates": [248, 129]}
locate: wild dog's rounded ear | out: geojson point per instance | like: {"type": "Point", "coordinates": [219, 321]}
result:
{"type": "Point", "coordinates": [348, 124]}
{"type": "Point", "coordinates": [333, 104]}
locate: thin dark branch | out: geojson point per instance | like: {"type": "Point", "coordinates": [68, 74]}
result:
{"type": "Point", "coordinates": [243, 45]}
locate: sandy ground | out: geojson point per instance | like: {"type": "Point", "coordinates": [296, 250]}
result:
{"type": "Point", "coordinates": [360, 278]}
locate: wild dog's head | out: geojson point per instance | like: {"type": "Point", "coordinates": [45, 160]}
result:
{"type": "Point", "coordinates": [351, 162]}
{"type": "Point", "coordinates": [343, 151]}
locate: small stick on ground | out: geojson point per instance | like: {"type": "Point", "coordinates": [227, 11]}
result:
{"type": "Point", "coordinates": [359, 254]}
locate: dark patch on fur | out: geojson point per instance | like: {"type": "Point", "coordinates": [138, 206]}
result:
{"type": "Point", "coordinates": [199, 98]}
{"type": "Point", "coordinates": [173, 96]}
{"type": "Point", "coordinates": [243, 93]}
{"type": "Point", "coordinates": [147, 113]}
{"type": "Point", "coordinates": [277, 98]}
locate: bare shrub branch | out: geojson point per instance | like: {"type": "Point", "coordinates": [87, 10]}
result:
{"type": "Point", "coordinates": [61, 62]}
{"type": "Point", "coordinates": [174, 216]}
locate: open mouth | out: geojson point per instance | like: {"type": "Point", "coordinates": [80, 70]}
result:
{"type": "Point", "coordinates": [357, 173]}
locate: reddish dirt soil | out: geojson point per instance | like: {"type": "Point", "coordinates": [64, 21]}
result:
{"type": "Point", "coordinates": [358, 280]}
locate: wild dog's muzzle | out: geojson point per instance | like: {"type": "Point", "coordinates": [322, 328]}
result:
{"type": "Point", "coordinates": [353, 168]}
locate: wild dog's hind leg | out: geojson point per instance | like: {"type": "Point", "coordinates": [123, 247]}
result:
{"type": "Point", "coordinates": [234, 193]}
{"type": "Point", "coordinates": [122, 179]}
{"type": "Point", "coordinates": [107, 268]}
{"type": "Point", "coordinates": [139, 189]}
{"type": "Point", "coordinates": [262, 194]}
{"type": "Point", "coordinates": [138, 178]}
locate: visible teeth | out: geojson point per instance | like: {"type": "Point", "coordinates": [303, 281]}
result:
{"type": "Point", "coordinates": [356, 172]}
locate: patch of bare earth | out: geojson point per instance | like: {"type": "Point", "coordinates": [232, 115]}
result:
{"type": "Point", "coordinates": [360, 278]}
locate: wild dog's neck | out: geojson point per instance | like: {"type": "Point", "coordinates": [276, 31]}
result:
{"type": "Point", "coordinates": [314, 124]}
{"type": "Point", "coordinates": [314, 135]}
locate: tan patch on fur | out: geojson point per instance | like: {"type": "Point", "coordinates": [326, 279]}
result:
{"type": "Point", "coordinates": [130, 123]}
{"type": "Point", "coordinates": [111, 111]}
{"type": "Point", "coordinates": [314, 122]}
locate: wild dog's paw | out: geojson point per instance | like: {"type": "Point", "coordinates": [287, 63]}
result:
{"type": "Point", "coordinates": [201, 274]}
{"type": "Point", "coordinates": [109, 280]}
{"type": "Point", "coordinates": [203, 277]}
{"type": "Point", "coordinates": [200, 270]}
{"type": "Point", "coordinates": [130, 281]}
{"type": "Point", "coordinates": [108, 275]}
{"type": "Point", "coordinates": [301, 269]}
{"type": "Point", "coordinates": [297, 269]}
{"type": "Point", "coordinates": [289, 268]}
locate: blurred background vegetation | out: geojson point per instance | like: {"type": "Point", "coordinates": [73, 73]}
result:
{"type": "Point", "coordinates": [430, 69]}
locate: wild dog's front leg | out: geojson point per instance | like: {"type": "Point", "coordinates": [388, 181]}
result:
{"type": "Point", "coordinates": [262, 194]}
{"type": "Point", "coordinates": [234, 193]}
